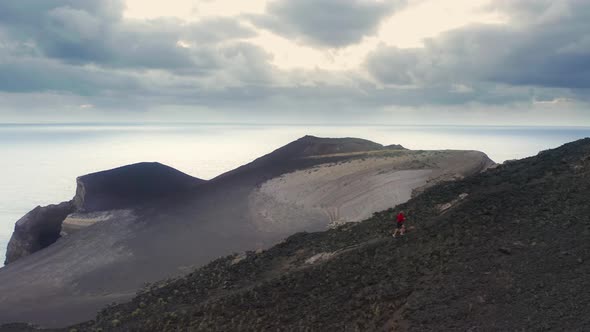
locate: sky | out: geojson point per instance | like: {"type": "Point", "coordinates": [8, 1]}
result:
{"type": "Point", "coordinates": [475, 62]}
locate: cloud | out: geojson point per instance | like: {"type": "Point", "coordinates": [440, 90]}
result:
{"type": "Point", "coordinates": [535, 11]}
{"type": "Point", "coordinates": [471, 53]}
{"type": "Point", "coordinates": [326, 23]}
{"type": "Point", "coordinates": [524, 53]}
{"type": "Point", "coordinates": [45, 75]}
{"type": "Point", "coordinates": [86, 48]}
{"type": "Point", "coordinates": [26, 13]}
{"type": "Point", "coordinates": [217, 29]}
{"type": "Point", "coordinates": [84, 56]}
{"type": "Point", "coordinates": [554, 101]}
{"type": "Point", "coordinates": [93, 32]}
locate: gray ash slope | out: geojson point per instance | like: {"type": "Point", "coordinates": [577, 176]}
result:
{"type": "Point", "coordinates": [512, 255]}
{"type": "Point", "coordinates": [161, 236]}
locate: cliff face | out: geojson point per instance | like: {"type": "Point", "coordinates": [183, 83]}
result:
{"type": "Point", "coordinates": [99, 196]}
{"type": "Point", "coordinates": [37, 230]}
{"type": "Point", "coordinates": [148, 226]}
{"type": "Point", "coordinates": [505, 250]}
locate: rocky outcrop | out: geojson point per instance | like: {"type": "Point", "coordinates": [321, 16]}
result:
{"type": "Point", "coordinates": [36, 230]}
{"type": "Point", "coordinates": [77, 221]}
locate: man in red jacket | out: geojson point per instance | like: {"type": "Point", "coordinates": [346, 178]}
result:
{"type": "Point", "coordinates": [400, 226]}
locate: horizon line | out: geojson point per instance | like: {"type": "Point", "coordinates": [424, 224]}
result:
{"type": "Point", "coordinates": [176, 123]}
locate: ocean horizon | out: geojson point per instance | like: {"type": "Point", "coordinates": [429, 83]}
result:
{"type": "Point", "coordinates": [41, 161]}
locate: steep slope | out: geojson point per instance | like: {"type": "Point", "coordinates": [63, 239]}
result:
{"type": "Point", "coordinates": [168, 236]}
{"type": "Point", "coordinates": [506, 250]}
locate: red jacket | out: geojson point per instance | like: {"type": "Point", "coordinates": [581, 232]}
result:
{"type": "Point", "coordinates": [401, 218]}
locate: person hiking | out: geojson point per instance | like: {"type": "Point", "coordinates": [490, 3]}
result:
{"type": "Point", "coordinates": [400, 226]}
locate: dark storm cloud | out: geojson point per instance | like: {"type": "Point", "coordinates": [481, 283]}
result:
{"type": "Point", "coordinates": [86, 48]}
{"type": "Point", "coordinates": [261, 95]}
{"type": "Point", "coordinates": [26, 13]}
{"type": "Point", "coordinates": [43, 75]}
{"type": "Point", "coordinates": [81, 32]}
{"type": "Point", "coordinates": [551, 49]}
{"type": "Point", "coordinates": [326, 23]}
{"type": "Point", "coordinates": [244, 76]}
{"type": "Point", "coordinates": [86, 53]}
{"type": "Point", "coordinates": [244, 69]}
{"type": "Point", "coordinates": [534, 10]}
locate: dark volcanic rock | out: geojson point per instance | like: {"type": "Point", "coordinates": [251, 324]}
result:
{"type": "Point", "coordinates": [127, 186]}
{"type": "Point", "coordinates": [36, 230]}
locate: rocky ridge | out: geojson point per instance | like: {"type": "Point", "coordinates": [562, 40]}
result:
{"type": "Point", "coordinates": [37, 230]}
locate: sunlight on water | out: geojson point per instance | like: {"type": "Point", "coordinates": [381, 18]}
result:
{"type": "Point", "coordinates": [41, 162]}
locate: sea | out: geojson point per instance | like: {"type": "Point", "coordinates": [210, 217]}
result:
{"type": "Point", "coordinates": [39, 163]}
